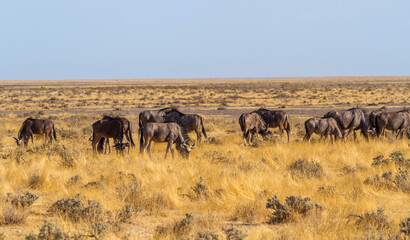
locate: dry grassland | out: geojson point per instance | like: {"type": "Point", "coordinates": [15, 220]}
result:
{"type": "Point", "coordinates": [225, 190]}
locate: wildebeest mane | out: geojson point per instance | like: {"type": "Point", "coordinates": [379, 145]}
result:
{"type": "Point", "coordinates": [261, 109]}
{"type": "Point", "coordinates": [176, 110]}
{"type": "Point", "coordinates": [358, 108]}
{"type": "Point", "coordinates": [167, 108]}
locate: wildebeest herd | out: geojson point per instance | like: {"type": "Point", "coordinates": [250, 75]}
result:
{"type": "Point", "coordinates": [172, 126]}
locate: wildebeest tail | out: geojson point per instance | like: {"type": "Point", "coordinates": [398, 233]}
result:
{"type": "Point", "coordinates": [139, 124]}
{"type": "Point", "coordinates": [306, 130]}
{"type": "Point", "coordinates": [287, 126]}
{"type": "Point", "coordinates": [130, 134]}
{"type": "Point", "coordinates": [141, 133]}
{"type": "Point", "coordinates": [377, 126]}
{"type": "Point", "coordinates": [54, 133]}
{"type": "Point", "coordinates": [243, 126]}
{"type": "Point", "coordinates": [203, 128]}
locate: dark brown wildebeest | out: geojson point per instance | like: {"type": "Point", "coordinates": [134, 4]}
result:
{"type": "Point", "coordinates": [252, 123]}
{"type": "Point", "coordinates": [108, 129]}
{"type": "Point", "coordinates": [372, 118]}
{"type": "Point", "coordinates": [275, 119]}
{"type": "Point", "coordinates": [152, 116]}
{"type": "Point", "coordinates": [395, 121]}
{"type": "Point", "coordinates": [126, 127]}
{"type": "Point", "coordinates": [322, 126]}
{"type": "Point", "coordinates": [352, 119]}
{"type": "Point", "coordinates": [187, 122]}
{"type": "Point", "coordinates": [33, 126]}
{"type": "Point", "coordinates": [169, 132]}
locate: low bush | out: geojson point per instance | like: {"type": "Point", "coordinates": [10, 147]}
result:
{"type": "Point", "coordinates": [306, 169]}
{"type": "Point", "coordinates": [78, 208]}
{"type": "Point", "coordinates": [178, 229]}
{"type": "Point", "coordinates": [233, 233]}
{"type": "Point", "coordinates": [15, 208]}
{"type": "Point", "coordinates": [371, 220]}
{"type": "Point", "coordinates": [405, 226]}
{"type": "Point", "coordinates": [386, 181]}
{"type": "Point", "coordinates": [396, 157]}
{"type": "Point", "coordinates": [293, 207]}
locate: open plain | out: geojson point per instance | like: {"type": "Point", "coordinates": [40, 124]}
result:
{"type": "Point", "coordinates": [356, 189]}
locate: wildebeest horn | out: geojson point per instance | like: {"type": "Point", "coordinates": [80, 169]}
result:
{"type": "Point", "coordinates": [91, 139]}
{"type": "Point", "coordinates": [16, 139]}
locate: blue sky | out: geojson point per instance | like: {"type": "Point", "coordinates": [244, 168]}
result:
{"type": "Point", "coordinates": [183, 39]}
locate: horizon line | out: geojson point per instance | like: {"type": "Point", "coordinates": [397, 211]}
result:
{"type": "Point", "coordinates": [209, 78]}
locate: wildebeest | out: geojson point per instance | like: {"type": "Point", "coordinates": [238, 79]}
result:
{"type": "Point", "coordinates": [169, 132]}
{"type": "Point", "coordinates": [33, 126]}
{"type": "Point", "coordinates": [322, 126]}
{"type": "Point", "coordinates": [399, 121]}
{"type": "Point", "coordinates": [251, 123]}
{"type": "Point", "coordinates": [108, 129]}
{"type": "Point", "coordinates": [352, 119]}
{"type": "Point", "coordinates": [152, 116]}
{"type": "Point", "coordinates": [275, 119]}
{"type": "Point", "coordinates": [126, 127]}
{"type": "Point", "coordinates": [187, 122]}
{"type": "Point", "coordinates": [372, 118]}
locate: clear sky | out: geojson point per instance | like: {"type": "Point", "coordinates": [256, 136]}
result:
{"type": "Point", "coordinates": [209, 38]}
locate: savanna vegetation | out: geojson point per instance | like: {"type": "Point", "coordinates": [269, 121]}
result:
{"type": "Point", "coordinates": [273, 189]}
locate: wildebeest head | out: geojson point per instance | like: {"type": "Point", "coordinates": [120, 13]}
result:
{"type": "Point", "coordinates": [336, 131]}
{"type": "Point", "coordinates": [264, 128]}
{"type": "Point", "coordinates": [121, 146]}
{"type": "Point", "coordinates": [185, 148]}
{"type": "Point", "coordinates": [21, 141]}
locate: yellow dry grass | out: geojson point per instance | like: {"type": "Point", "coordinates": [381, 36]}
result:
{"type": "Point", "coordinates": [223, 184]}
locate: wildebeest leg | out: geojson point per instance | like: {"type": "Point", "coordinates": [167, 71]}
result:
{"type": "Point", "coordinates": [350, 130]}
{"type": "Point", "coordinates": [354, 135]}
{"type": "Point", "coordinates": [148, 147]}
{"type": "Point", "coordinates": [166, 151]}
{"type": "Point", "coordinates": [127, 135]}
{"type": "Point", "coordinates": [32, 139]}
{"type": "Point", "coordinates": [245, 136]}
{"type": "Point", "coordinates": [281, 130]}
{"type": "Point", "coordinates": [326, 136]}
{"type": "Point", "coordinates": [382, 132]}
{"type": "Point", "coordinates": [107, 146]}
{"type": "Point", "coordinates": [198, 137]}
{"type": "Point", "coordinates": [307, 137]}
{"type": "Point", "coordinates": [172, 150]}
{"type": "Point", "coordinates": [321, 137]}
{"type": "Point", "coordinates": [399, 132]}
{"type": "Point", "coordinates": [96, 140]}
{"type": "Point", "coordinates": [50, 136]}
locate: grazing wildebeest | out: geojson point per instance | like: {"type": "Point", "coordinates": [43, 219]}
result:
{"type": "Point", "coordinates": [322, 126]}
{"type": "Point", "coordinates": [108, 129]}
{"type": "Point", "coordinates": [395, 121]}
{"type": "Point", "coordinates": [164, 132]}
{"type": "Point", "coordinates": [251, 123]}
{"type": "Point", "coordinates": [187, 122]}
{"type": "Point", "coordinates": [35, 126]}
{"type": "Point", "coordinates": [152, 116]}
{"type": "Point", "coordinates": [126, 127]}
{"type": "Point", "coordinates": [372, 117]}
{"type": "Point", "coordinates": [275, 119]}
{"type": "Point", "coordinates": [352, 119]}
